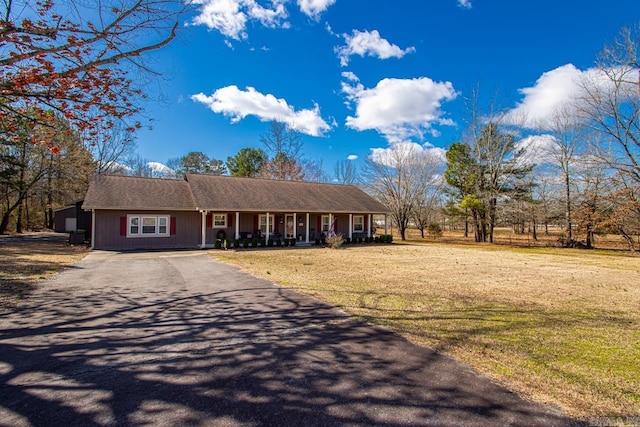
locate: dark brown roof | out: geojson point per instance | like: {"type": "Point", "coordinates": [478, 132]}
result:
{"type": "Point", "coordinates": [126, 192]}
{"type": "Point", "coordinates": [226, 193]}
{"type": "Point", "coordinates": [229, 193]}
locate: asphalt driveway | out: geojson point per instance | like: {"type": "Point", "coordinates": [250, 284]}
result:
{"type": "Point", "coordinates": [176, 338]}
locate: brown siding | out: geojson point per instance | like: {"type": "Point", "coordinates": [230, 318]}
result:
{"type": "Point", "coordinates": [107, 231]}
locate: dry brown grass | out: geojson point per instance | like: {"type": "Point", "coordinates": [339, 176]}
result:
{"type": "Point", "coordinates": [25, 262]}
{"type": "Point", "coordinates": [556, 325]}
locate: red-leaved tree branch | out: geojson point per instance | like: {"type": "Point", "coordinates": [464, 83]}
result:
{"type": "Point", "coordinates": [77, 58]}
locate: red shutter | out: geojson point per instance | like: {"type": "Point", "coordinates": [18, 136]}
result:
{"type": "Point", "coordinates": [319, 230]}
{"type": "Point", "coordinates": [123, 225]}
{"type": "Point", "coordinates": [255, 223]}
{"type": "Point", "coordinates": [209, 220]}
{"type": "Point", "coordinates": [229, 220]}
{"type": "Point", "coordinates": [172, 228]}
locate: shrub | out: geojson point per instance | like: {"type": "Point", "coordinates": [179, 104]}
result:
{"type": "Point", "coordinates": [376, 239]}
{"type": "Point", "coordinates": [245, 243]}
{"type": "Point", "coordinates": [227, 243]}
{"type": "Point", "coordinates": [434, 230]}
{"type": "Point", "coordinates": [389, 238]}
{"type": "Point", "coordinates": [286, 242]}
{"type": "Point", "coordinates": [217, 244]}
{"type": "Point", "coordinates": [270, 242]}
{"type": "Point", "coordinates": [278, 242]}
{"type": "Point", "coordinates": [317, 242]}
{"type": "Point", "coordinates": [254, 242]}
{"type": "Point", "coordinates": [335, 242]}
{"type": "Point", "coordinates": [236, 244]}
{"type": "Point", "coordinates": [293, 242]}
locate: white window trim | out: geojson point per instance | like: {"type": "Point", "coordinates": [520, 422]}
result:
{"type": "Point", "coordinates": [355, 230]}
{"type": "Point", "coordinates": [271, 222]}
{"type": "Point", "coordinates": [322, 224]}
{"type": "Point", "coordinates": [213, 220]}
{"type": "Point", "coordinates": [157, 226]}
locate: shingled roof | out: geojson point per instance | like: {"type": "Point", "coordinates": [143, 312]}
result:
{"type": "Point", "coordinates": [226, 193]}
{"type": "Point", "coordinates": [230, 193]}
{"type": "Point", "coordinates": [126, 192]}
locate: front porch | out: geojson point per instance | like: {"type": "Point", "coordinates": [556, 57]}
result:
{"type": "Point", "coordinates": [304, 228]}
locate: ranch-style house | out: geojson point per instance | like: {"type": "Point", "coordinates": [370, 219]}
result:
{"type": "Point", "coordinates": [150, 213]}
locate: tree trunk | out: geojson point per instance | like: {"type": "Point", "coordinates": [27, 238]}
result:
{"type": "Point", "coordinates": [567, 208]}
{"type": "Point", "coordinates": [19, 218]}
{"type": "Point", "coordinates": [492, 218]}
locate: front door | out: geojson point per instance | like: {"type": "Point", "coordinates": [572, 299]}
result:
{"type": "Point", "coordinates": [288, 229]}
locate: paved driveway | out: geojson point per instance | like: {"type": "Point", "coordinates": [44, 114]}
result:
{"type": "Point", "coordinates": [176, 338]}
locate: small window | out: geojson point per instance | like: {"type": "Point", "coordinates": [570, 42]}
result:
{"type": "Point", "coordinates": [134, 225]}
{"type": "Point", "coordinates": [263, 223]}
{"type": "Point", "coordinates": [325, 223]}
{"type": "Point", "coordinates": [219, 220]}
{"type": "Point", "coordinates": [358, 223]}
{"type": "Point", "coordinates": [162, 225]}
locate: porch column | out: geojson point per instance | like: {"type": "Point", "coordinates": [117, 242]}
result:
{"type": "Point", "coordinates": [93, 228]}
{"type": "Point", "coordinates": [266, 239]}
{"type": "Point", "coordinates": [350, 226]}
{"type": "Point", "coordinates": [385, 224]}
{"type": "Point", "coordinates": [369, 226]}
{"type": "Point", "coordinates": [295, 226]}
{"type": "Point", "coordinates": [307, 235]}
{"type": "Point", "coordinates": [204, 229]}
{"type": "Point", "coordinates": [237, 225]}
{"type": "Point", "coordinates": [330, 224]}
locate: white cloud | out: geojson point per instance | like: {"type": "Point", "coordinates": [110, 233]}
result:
{"type": "Point", "coordinates": [465, 4]}
{"type": "Point", "coordinates": [538, 149]}
{"type": "Point", "coordinates": [350, 76]}
{"type": "Point", "coordinates": [314, 8]}
{"type": "Point", "coordinates": [554, 90]}
{"type": "Point", "coordinates": [559, 90]}
{"type": "Point", "coordinates": [237, 104]}
{"type": "Point", "coordinates": [399, 151]}
{"type": "Point", "coordinates": [369, 43]}
{"type": "Point", "coordinates": [400, 109]}
{"type": "Point", "coordinates": [230, 17]}
{"type": "Point", "coordinates": [352, 157]}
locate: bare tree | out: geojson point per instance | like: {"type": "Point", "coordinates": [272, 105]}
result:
{"type": "Point", "coordinates": [346, 172]}
{"type": "Point", "coordinates": [283, 145]}
{"type": "Point", "coordinates": [110, 147]}
{"type": "Point", "coordinates": [428, 209]}
{"type": "Point", "coordinates": [567, 143]}
{"type": "Point", "coordinates": [400, 179]}
{"type": "Point", "coordinates": [611, 101]}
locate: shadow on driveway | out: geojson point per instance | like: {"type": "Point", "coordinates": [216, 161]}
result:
{"type": "Point", "coordinates": [180, 339]}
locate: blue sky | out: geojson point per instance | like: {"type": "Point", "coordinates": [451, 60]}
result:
{"type": "Point", "coordinates": [353, 76]}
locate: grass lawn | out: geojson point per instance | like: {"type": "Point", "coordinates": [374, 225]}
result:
{"type": "Point", "coordinates": [24, 263]}
{"type": "Point", "coordinates": [558, 326]}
